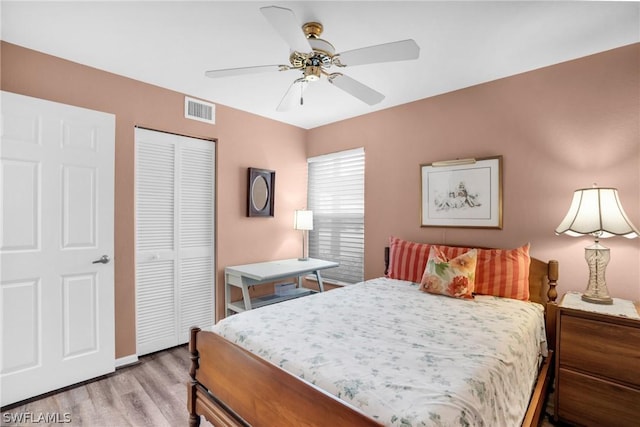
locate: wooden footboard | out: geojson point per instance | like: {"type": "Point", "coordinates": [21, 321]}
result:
{"type": "Point", "coordinates": [224, 376]}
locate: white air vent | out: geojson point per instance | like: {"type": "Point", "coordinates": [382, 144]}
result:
{"type": "Point", "coordinates": [199, 110]}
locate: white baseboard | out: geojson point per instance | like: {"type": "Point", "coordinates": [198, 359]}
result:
{"type": "Point", "coordinates": [127, 360]}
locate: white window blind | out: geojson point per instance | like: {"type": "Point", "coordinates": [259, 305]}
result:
{"type": "Point", "coordinates": [336, 197]}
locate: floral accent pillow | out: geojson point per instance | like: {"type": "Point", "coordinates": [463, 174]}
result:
{"type": "Point", "coordinates": [452, 277]}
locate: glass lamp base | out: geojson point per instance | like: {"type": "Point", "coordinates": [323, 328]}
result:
{"type": "Point", "coordinates": [597, 300]}
{"type": "Point", "coordinates": [597, 257]}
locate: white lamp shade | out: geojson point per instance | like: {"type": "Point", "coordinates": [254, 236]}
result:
{"type": "Point", "coordinates": [303, 220]}
{"type": "Point", "coordinates": [597, 211]}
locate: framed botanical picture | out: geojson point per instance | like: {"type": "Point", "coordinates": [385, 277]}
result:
{"type": "Point", "coordinates": [462, 193]}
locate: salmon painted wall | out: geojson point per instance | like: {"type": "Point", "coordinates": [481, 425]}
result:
{"type": "Point", "coordinates": [558, 128]}
{"type": "Point", "coordinates": [244, 140]}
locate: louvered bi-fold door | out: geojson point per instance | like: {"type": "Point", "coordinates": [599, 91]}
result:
{"type": "Point", "coordinates": [174, 238]}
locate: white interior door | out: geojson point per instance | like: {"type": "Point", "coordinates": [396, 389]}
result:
{"type": "Point", "coordinates": [174, 238]}
{"type": "Point", "coordinates": [56, 207]}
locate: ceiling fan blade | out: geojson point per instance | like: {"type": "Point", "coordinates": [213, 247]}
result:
{"type": "Point", "coordinates": [293, 96]}
{"type": "Point", "coordinates": [357, 89]}
{"type": "Point", "coordinates": [284, 21]}
{"type": "Point", "coordinates": [387, 52]}
{"type": "Point", "coordinates": [227, 72]}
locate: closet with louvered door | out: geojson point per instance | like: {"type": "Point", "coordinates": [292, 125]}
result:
{"type": "Point", "coordinates": [175, 275]}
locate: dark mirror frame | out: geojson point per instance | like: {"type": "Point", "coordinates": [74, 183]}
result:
{"type": "Point", "coordinates": [270, 178]}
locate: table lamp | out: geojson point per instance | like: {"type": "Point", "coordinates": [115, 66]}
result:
{"type": "Point", "coordinates": [598, 212]}
{"type": "Point", "coordinates": [303, 220]}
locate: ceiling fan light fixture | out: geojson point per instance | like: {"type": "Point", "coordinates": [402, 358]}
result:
{"type": "Point", "coordinates": [312, 73]}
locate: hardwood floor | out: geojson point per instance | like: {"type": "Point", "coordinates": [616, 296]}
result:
{"type": "Point", "coordinates": [151, 393]}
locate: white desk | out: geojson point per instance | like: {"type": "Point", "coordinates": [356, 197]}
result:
{"type": "Point", "coordinates": [243, 276]}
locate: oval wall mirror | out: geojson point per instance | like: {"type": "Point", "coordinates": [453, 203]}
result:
{"type": "Point", "coordinates": [260, 192]}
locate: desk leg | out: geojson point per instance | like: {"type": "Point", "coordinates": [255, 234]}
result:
{"type": "Point", "coordinates": [320, 284]}
{"type": "Point", "coordinates": [246, 297]}
{"type": "Point", "coordinates": [227, 296]}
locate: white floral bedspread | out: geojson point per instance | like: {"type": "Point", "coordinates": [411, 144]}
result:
{"type": "Point", "coordinates": [404, 357]}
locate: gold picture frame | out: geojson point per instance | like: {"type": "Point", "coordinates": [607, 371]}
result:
{"type": "Point", "coordinates": [462, 193]}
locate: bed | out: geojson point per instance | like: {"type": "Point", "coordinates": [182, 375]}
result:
{"type": "Point", "coordinates": [348, 357]}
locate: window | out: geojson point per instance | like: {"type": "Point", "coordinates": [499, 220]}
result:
{"type": "Point", "coordinates": [336, 197]}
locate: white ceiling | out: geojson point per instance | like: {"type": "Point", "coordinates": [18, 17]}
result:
{"type": "Point", "coordinates": [172, 43]}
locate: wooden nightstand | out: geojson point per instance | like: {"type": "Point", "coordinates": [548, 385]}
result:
{"type": "Point", "coordinates": [598, 363]}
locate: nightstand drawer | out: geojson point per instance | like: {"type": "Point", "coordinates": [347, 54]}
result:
{"type": "Point", "coordinates": [601, 348]}
{"type": "Point", "coordinates": [592, 402]}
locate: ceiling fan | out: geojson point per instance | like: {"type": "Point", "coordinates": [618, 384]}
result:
{"type": "Point", "coordinates": [313, 57]}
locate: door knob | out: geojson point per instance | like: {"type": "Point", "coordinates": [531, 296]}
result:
{"type": "Point", "coordinates": [104, 259]}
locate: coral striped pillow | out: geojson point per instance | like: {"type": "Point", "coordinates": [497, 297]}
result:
{"type": "Point", "coordinates": [499, 272]}
{"type": "Point", "coordinates": [407, 260]}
